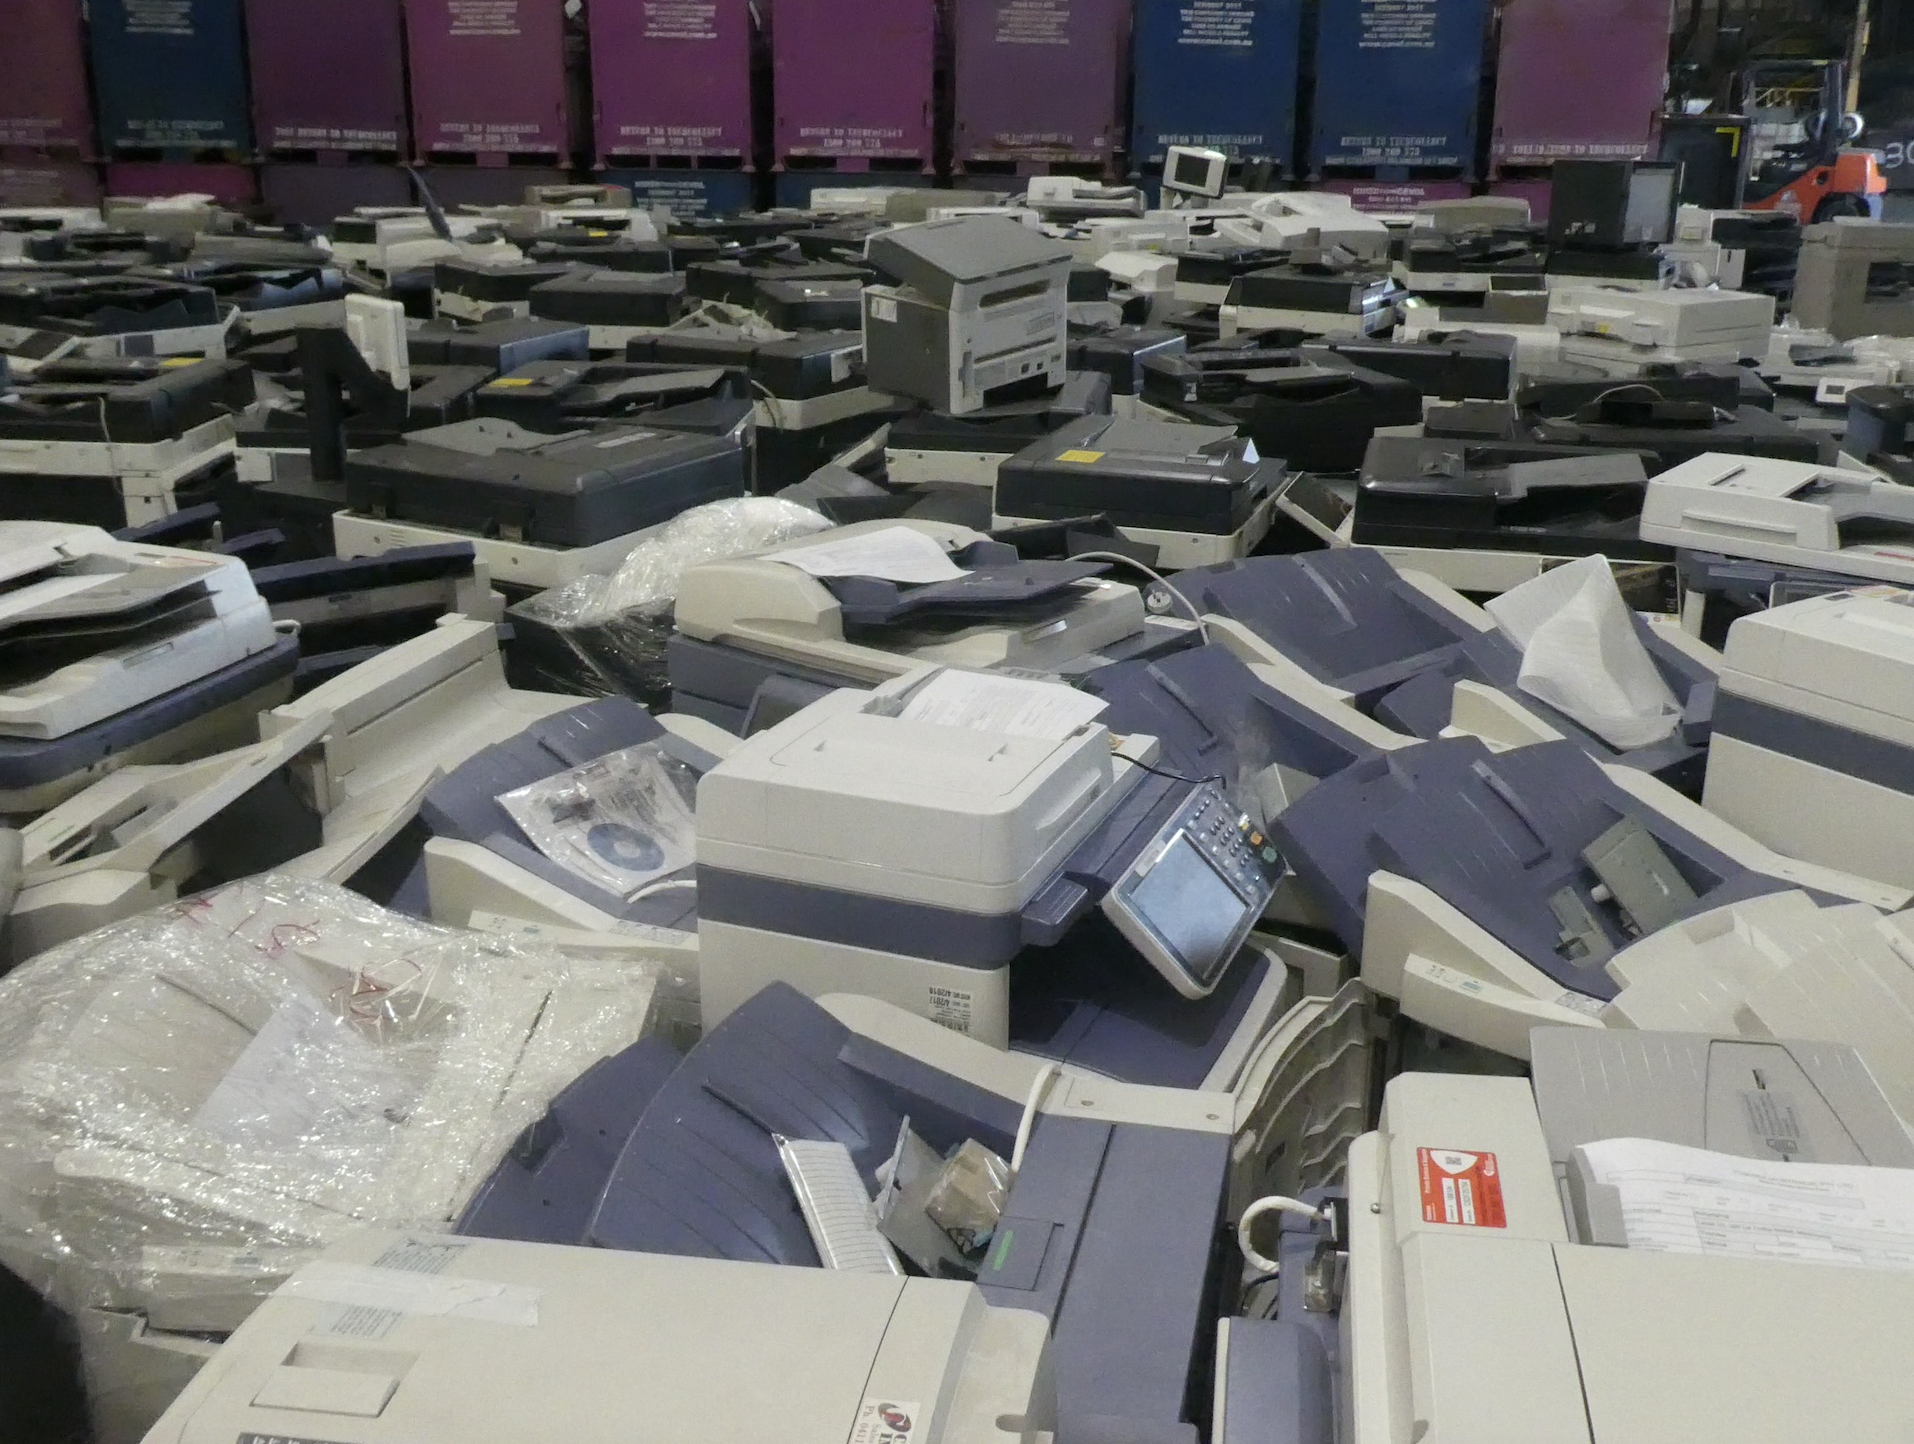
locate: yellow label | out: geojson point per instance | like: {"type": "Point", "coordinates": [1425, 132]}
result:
{"type": "Point", "coordinates": [599, 235]}
{"type": "Point", "coordinates": [512, 381]}
{"type": "Point", "coordinates": [180, 361]}
{"type": "Point", "coordinates": [1081, 458]}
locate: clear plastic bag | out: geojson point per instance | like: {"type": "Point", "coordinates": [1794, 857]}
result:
{"type": "Point", "coordinates": [196, 1100]}
{"type": "Point", "coordinates": [605, 635]}
{"type": "Point", "coordinates": [620, 822]}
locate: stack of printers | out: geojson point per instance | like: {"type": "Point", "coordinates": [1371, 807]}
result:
{"type": "Point", "coordinates": [1621, 331]}
{"type": "Point", "coordinates": [119, 443]}
{"type": "Point", "coordinates": [1322, 295]}
{"type": "Point", "coordinates": [45, 317]}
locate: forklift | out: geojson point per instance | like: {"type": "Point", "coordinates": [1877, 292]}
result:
{"type": "Point", "coordinates": [1799, 156]}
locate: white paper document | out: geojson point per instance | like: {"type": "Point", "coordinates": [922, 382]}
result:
{"type": "Point", "coordinates": [1690, 1200]}
{"type": "Point", "coordinates": [1012, 706]}
{"type": "Point", "coordinates": [891, 554]}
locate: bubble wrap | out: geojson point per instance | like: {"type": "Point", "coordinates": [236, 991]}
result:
{"type": "Point", "coordinates": [194, 1101]}
{"type": "Point", "coordinates": [604, 636]}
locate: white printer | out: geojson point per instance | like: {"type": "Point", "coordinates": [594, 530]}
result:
{"type": "Point", "coordinates": [1480, 1304]}
{"type": "Point", "coordinates": [97, 627]}
{"type": "Point", "coordinates": [484, 1341]}
{"type": "Point", "coordinates": [781, 613]}
{"type": "Point", "coordinates": [1813, 750]}
{"type": "Point", "coordinates": [935, 842]}
{"type": "Point", "coordinates": [1853, 523]}
{"type": "Point", "coordinates": [1623, 331]}
{"type": "Point", "coordinates": [981, 305]}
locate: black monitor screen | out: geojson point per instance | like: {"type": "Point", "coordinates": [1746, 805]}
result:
{"type": "Point", "coordinates": [1193, 171]}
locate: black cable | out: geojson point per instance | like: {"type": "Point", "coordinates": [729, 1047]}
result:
{"type": "Point", "coordinates": [1172, 776]}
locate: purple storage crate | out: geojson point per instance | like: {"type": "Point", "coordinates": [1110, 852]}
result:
{"type": "Point", "coordinates": [312, 195]}
{"type": "Point", "coordinates": [43, 103]}
{"type": "Point", "coordinates": [468, 185]}
{"type": "Point", "coordinates": [230, 185]}
{"type": "Point", "coordinates": [44, 183]}
{"type": "Point", "coordinates": [488, 77]}
{"type": "Point", "coordinates": [1579, 79]}
{"type": "Point", "coordinates": [671, 77]}
{"type": "Point", "coordinates": [1536, 192]}
{"type": "Point", "coordinates": [852, 79]}
{"type": "Point", "coordinates": [1039, 81]}
{"type": "Point", "coordinates": [328, 75]}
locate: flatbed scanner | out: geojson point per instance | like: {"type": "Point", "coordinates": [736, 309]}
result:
{"type": "Point", "coordinates": [1198, 494]}
{"type": "Point", "coordinates": [745, 621]}
{"type": "Point", "coordinates": [920, 845]}
{"type": "Point", "coordinates": [1799, 515]}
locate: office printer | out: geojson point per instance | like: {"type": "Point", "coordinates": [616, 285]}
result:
{"type": "Point", "coordinates": [559, 397]}
{"type": "Point", "coordinates": [1797, 515]}
{"type": "Point", "coordinates": [979, 306]}
{"type": "Point", "coordinates": [1449, 366]}
{"type": "Point", "coordinates": [1620, 331]}
{"type": "Point", "coordinates": [1058, 820]}
{"type": "Point", "coordinates": [1315, 295]}
{"type": "Point", "coordinates": [1317, 411]}
{"type": "Point", "coordinates": [118, 443]}
{"type": "Point", "coordinates": [1107, 1229]}
{"type": "Point", "coordinates": [123, 653]}
{"type": "Point", "coordinates": [1420, 660]}
{"type": "Point", "coordinates": [1471, 261]}
{"type": "Point", "coordinates": [44, 317]}
{"type": "Point", "coordinates": [1756, 251]}
{"type": "Point", "coordinates": [1600, 1330]}
{"type": "Point", "coordinates": [937, 447]}
{"type": "Point", "coordinates": [1810, 756]}
{"type": "Point", "coordinates": [465, 290]}
{"type": "Point", "coordinates": [902, 1358]}
{"type": "Point", "coordinates": [617, 305]}
{"type": "Point", "coordinates": [1483, 516]}
{"type": "Point", "coordinates": [1672, 431]}
{"type": "Point", "coordinates": [1198, 494]}
{"type": "Point", "coordinates": [541, 509]}
{"type": "Point", "coordinates": [758, 619]}
{"type": "Point", "coordinates": [1538, 850]}
{"type": "Point", "coordinates": [1853, 279]}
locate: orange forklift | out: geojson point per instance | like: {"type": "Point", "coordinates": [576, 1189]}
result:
{"type": "Point", "coordinates": [1800, 152]}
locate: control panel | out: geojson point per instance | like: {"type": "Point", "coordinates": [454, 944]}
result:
{"type": "Point", "coordinates": [1195, 891]}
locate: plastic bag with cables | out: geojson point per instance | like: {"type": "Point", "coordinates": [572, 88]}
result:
{"type": "Point", "coordinates": [620, 822]}
{"type": "Point", "coordinates": [194, 1101]}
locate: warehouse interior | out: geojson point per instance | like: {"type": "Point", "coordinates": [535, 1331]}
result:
{"type": "Point", "coordinates": [956, 721]}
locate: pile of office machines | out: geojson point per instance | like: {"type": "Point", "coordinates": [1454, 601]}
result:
{"type": "Point", "coordinates": [1040, 817]}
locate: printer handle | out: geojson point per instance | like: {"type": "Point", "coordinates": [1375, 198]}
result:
{"type": "Point", "coordinates": [1054, 911]}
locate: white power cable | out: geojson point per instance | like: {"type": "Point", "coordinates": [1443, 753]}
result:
{"type": "Point", "coordinates": [1202, 627]}
{"type": "Point", "coordinates": [1032, 1105]}
{"type": "Point", "coordinates": [1275, 1203]}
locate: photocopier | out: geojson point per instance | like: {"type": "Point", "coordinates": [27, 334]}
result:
{"type": "Point", "coordinates": [1315, 295]}
{"type": "Point", "coordinates": [618, 305]}
{"type": "Point", "coordinates": [1106, 1229]}
{"type": "Point", "coordinates": [541, 509]}
{"type": "Point", "coordinates": [818, 613]}
{"type": "Point", "coordinates": [1816, 518]}
{"type": "Point", "coordinates": [45, 318]}
{"type": "Point", "coordinates": [1854, 279]}
{"type": "Point", "coordinates": [979, 306]}
{"type": "Point", "coordinates": [1813, 753]}
{"type": "Point", "coordinates": [938, 449]}
{"type": "Point", "coordinates": [489, 1341]}
{"type": "Point", "coordinates": [465, 290]}
{"type": "Point", "coordinates": [1197, 494]}
{"type": "Point", "coordinates": [1486, 891]}
{"type": "Point", "coordinates": [1661, 1236]}
{"type": "Point", "coordinates": [1622, 331]}
{"type": "Point", "coordinates": [118, 443]}
{"type": "Point", "coordinates": [1486, 515]}
{"type": "Point", "coordinates": [1413, 655]}
{"type": "Point", "coordinates": [118, 653]}
{"type": "Point", "coordinates": [983, 852]}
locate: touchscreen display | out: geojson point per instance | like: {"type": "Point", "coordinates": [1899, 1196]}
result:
{"type": "Point", "coordinates": [1189, 905]}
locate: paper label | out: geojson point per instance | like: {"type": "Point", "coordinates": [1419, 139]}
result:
{"type": "Point", "coordinates": [883, 308]}
{"type": "Point", "coordinates": [1009, 706]}
{"type": "Point", "coordinates": [386, 1290]}
{"type": "Point", "coordinates": [951, 1008]}
{"type": "Point", "coordinates": [887, 1421]}
{"type": "Point", "coordinates": [510, 381]}
{"type": "Point", "coordinates": [892, 554]}
{"type": "Point", "coordinates": [1460, 1188]}
{"type": "Point", "coordinates": [841, 366]}
{"type": "Point", "coordinates": [1080, 458]}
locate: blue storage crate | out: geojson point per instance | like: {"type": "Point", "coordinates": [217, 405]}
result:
{"type": "Point", "coordinates": [170, 75]}
{"type": "Point", "coordinates": [1397, 84]}
{"type": "Point", "coordinates": [1216, 73]}
{"type": "Point", "coordinates": [688, 192]}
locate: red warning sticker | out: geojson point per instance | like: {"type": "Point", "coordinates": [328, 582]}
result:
{"type": "Point", "coordinates": [1460, 1188]}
